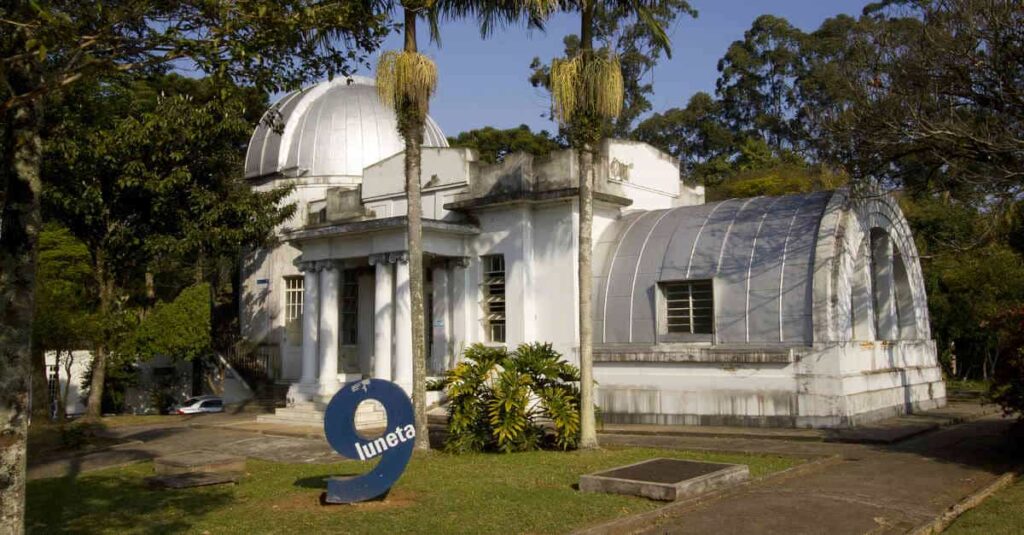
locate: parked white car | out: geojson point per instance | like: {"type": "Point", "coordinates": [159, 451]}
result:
{"type": "Point", "coordinates": [200, 404]}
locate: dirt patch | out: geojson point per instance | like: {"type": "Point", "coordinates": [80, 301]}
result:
{"type": "Point", "coordinates": [310, 502]}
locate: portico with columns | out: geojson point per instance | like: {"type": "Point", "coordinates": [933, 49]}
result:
{"type": "Point", "coordinates": [357, 321]}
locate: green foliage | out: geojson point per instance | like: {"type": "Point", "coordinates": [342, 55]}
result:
{"type": "Point", "coordinates": [178, 329]}
{"type": "Point", "coordinates": [493, 145]}
{"type": "Point", "coordinates": [973, 278]}
{"type": "Point", "coordinates": [1008, 384]}
{"type": "Point", "coordinates": [65, 317]}
{"type": "Point", "coordinates": [519, 401]}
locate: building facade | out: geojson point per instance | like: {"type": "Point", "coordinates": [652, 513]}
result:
{"type": "Point", "coordinates": [804, 310]}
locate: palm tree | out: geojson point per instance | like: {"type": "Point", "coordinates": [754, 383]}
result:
{"type": "Point", "coordinates": [586, 92]}
{"type": "Point", "coordinates": [406, 80]}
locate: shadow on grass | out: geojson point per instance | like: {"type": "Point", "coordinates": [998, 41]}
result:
{"type": "Point", "coordinates": [116, 503]}
{"type": "Point", "coordinates": [320, 482]}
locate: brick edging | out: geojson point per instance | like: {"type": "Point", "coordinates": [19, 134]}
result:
{"type": "Point", "coordinates": [943, 521]}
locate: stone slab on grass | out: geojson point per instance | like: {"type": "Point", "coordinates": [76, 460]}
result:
{"type": "Point", "coordinates": [665, 479]}
{"type": "Point", "coordinates": [199, 461]}
{"type": "Point", "coordinates": [192, 479]}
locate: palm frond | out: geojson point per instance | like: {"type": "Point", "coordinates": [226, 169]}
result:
{"type": "Point", "coordinates": [406, 79]}
{"type": "Point", "coordinates": [587, 84]}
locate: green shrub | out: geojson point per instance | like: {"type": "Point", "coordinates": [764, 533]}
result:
{"type": "Point", "coordinates": [1007, 388]}
{"type": "Point", "coordinates": [524, 400]}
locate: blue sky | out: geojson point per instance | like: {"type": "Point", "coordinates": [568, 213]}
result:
{"type": "Point", "coordinates": [484, 82]}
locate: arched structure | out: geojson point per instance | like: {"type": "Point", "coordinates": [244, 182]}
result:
{"type": "Point", "coordinates": [805, 310]}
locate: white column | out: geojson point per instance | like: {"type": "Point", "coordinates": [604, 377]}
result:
{"type": "Point", "coordinates": [382, 316]}
{"type": "Point", "coordinates": [310, 323]}
{"type": "Point", "coordinates": [884, 287]}
{"type": "Point", "coordinates": [330, 284]}
{"type": "Point", "coordinates": [403, 326]}
{"type": "Point", "coordinates": [441, 328]}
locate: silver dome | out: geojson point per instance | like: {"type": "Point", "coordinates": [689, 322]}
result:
{"type": "Point", "coordinates": [334, 128]}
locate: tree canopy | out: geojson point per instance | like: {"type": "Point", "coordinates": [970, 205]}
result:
{"type": "Point", "coordinates": [493, 144]}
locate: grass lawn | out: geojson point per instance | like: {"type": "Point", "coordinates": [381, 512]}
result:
{"type": "Point", "coordinates": [1001, 513]}
{"type": "Point", "coordinates": [439, 493]}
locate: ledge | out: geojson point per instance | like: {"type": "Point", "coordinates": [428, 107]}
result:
{"type": "Point", "coordinates": [532, 196]}
{"type": "Point", "coordinates": [377, 225]}
{"type": "Point", "coordinates": [701, 355]}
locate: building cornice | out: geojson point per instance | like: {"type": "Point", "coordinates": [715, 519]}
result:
{"type": "Point", "coordinates": [378, 225]}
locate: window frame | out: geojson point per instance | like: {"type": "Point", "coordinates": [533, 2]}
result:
{"type": "Point", "coordinates": [703, 285]}
{"type": "Point", "coordinates": [493, 320]}
{"type": "Point", "coordinates": [348, 307]}
{"type": "Point", "coordinates": [299, 290]}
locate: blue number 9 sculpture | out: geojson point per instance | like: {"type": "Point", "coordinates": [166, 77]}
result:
{"type": "Point", "coordinates": [394, 447]}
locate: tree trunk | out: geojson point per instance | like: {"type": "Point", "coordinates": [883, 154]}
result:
{"type": "Point", "coordinates": [413, 135]}
{"type": "Point", "coordinates": [40, 384]}
{"type": "Point", "coordinates": [63, 414]}
{"type": "Point", "coordinates": [99, 358]}
{"type": "Point", "coordinates": [588, 423]}
{"type": "Point", "coordinates": [19, 234]}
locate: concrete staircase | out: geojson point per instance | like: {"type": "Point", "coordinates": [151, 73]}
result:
{"type": "Point", "coordinates": [369, 415]}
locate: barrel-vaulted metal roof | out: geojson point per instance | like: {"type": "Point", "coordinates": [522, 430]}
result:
{"type": "Point", "coordinates": [334, 128]}
{"type": "Point", "coordinates": [759, 252]}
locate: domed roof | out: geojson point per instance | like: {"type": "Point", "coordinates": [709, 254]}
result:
{"type": "Point", "coordinates": [334, 128]}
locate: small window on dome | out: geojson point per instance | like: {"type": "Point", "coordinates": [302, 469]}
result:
{"type": "Point", "coordinates": [686, 311]}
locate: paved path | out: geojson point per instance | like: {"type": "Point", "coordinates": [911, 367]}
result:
{"type": "Point", "coordinates": [877, 489]}
{"type": "Point", "coordinates": [147, 442]}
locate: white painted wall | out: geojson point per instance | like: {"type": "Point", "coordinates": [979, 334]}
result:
{"type": "Point", "coordinates": [81, 360]}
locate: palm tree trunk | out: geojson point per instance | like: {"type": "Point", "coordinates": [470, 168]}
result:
{"type": "Point", "coordinates": [413, 135]}
{"type": "Point", "coordinates": [19, 233]}
{"type": "Point", "coordinates": [588, 423]}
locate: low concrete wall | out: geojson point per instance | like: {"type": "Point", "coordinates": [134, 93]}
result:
{"type": "Point", "coordinates": [836, 384]}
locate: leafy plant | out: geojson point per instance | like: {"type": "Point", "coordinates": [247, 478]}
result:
{"type": "Point", "coordinates": [518, 401]}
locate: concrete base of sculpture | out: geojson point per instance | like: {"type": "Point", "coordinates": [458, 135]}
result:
{"type": "Point", "coordinates": [665, 479]}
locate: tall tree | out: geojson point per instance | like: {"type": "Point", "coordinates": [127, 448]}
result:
{"type": "Point", "coordinates": [948, 110]}
{"type": "Point", "coordinates": [156, 180]}
{"type": "Point", "coordinates": [48, 45]}
{"type": "Point", "coordinates": [64, 318]}
{"type": "Point", "coordinates": [757, 80]}
{"type": "Point", "coordinates": [406, 80]}
{"type": "Point", "coordinates": [587, 94]}
{"type": "Point", "coordinates": [696, 135]}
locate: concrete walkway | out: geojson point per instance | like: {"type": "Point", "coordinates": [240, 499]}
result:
{"type": "Point", "coordinates": [147, 442]}
{"type": "Point", "coordinates": [876, 489]}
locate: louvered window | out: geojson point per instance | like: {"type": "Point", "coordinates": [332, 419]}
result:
{"type": "Point", "coordinates": [349, 307]}
{"type": "Point", "coordinates": [494, 297]}
{"type": "Point", "coordinates": [689, 307]}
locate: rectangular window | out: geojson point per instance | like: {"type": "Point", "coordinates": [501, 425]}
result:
{"type": "Point", "coordinates": [349, 307]}
{"type": "Point", "coordinates": [293, 299]}
{"type": "Point", "coordinates": [494, 297]}
{"type": "Point", "coordinates": [688, 309]}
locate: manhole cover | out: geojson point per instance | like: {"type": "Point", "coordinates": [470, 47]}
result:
{"type": "Point", "coordinates": [665, 479]}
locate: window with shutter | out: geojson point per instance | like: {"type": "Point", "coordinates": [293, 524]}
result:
{"type": "Point", "coordinates": [687, 311]}
{"type": "Point", "coordinates": [493, 289]}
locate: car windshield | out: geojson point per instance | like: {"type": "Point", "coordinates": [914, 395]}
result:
{"type": "Point", "coordinates": [190, 401]}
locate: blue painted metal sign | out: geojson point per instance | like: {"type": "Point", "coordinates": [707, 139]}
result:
{"type": "Point", "coordinates": [394, 447]}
